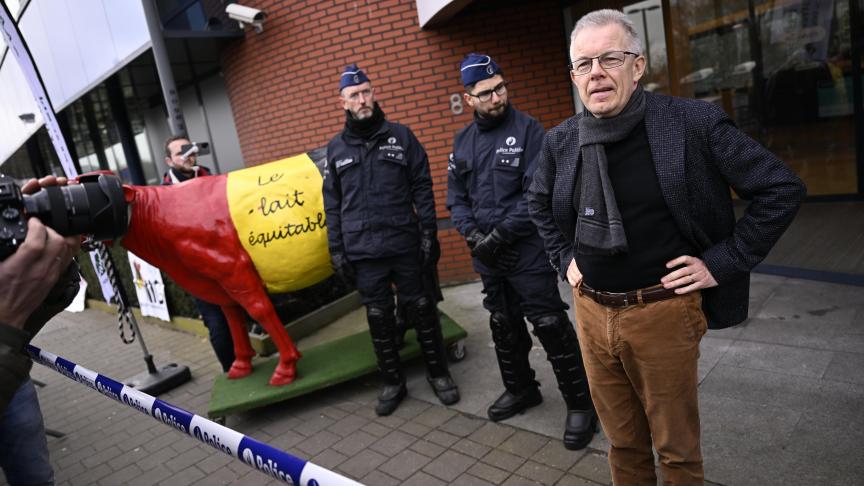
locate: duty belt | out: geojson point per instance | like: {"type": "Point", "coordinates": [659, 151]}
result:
{"type": "Point", "coordinates": [623, 299]}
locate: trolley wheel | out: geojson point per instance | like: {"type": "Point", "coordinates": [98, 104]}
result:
{"type": "Point", "coordinates": [456, 351]}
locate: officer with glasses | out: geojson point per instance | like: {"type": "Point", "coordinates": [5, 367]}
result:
{"type": "Point", "coordinates": [382, 232]}
{"type": "Point", "coordinates": [490, 169]}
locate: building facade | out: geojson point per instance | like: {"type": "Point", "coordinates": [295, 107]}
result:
{"type": "Point", "coordinates": [787, 71]}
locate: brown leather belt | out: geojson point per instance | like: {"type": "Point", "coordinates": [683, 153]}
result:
{"type": "Point", "coordinates": [623, 299]}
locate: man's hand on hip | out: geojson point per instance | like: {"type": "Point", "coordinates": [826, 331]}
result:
{"type": "Point", "coordinates": [574, 276]}
{"type": "Point", "coordinates": [691, 275]}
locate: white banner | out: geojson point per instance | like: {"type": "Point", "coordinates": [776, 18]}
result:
{"type": "Point", "coordinates": [102, 273]}
{"type": "Point", "coordinates": [149, 288]}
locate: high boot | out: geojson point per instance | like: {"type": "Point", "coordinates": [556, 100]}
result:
{"type": "Point", "coordinates": [382, 324]}
{"type": "Point", "coordinates": [423, 317]}
{"type": "Point", "coordinates": [512, 345]}
{"type": "Point", "coordinates": [559, 339]}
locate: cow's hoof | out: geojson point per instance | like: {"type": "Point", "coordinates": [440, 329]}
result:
{"type": "Point", "coordinates": [239, 369]}
{"type": "Point", "coordinates": [283, 374]}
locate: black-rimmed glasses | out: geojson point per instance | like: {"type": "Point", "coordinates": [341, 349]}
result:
{"type": "Point", "coordinates": [607, 60]}
{"type": "Point", "coordinates": [486, 95]}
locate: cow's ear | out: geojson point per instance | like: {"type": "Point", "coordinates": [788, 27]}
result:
{"type": "Point", "coordinates": [128, 193]}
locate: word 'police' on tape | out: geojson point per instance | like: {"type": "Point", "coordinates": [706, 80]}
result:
{"type": "Point", "coordinates": [269, 460]}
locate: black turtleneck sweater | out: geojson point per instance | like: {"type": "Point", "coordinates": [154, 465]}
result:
{"type": "Point", "coordinates": [653, 237]}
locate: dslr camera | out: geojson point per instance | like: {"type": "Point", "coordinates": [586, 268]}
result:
{"type": "Point", "coordinates": [95, 207]}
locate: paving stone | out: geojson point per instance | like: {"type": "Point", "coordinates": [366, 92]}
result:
{"type": "Point", "coordinates": [362, 463]}
{"type": "Point", "coordinates": [318, 442]}
{"type": "Point", "coordinates": [462, 425]}
{"type": "Point", "coordinates": [348, 425]}
{"type": "Point", "coordinates": [539, 472]}
{"type": "Point", "coordinates": [555, 455]}
{"type": "Point", "coordinates": [503, 460]}
{"type": "Point", "coordinates": [378, 478]}
{"type": "Point", "coordinates": [410, 408]}
{"type": "Point", "coordinates": [223, 475]}
{"type": "Point", "coordinates": [151, 477]}
{"type": "Point", "coordinates": [313, 424]}
{"type": "Point", "coordinates": [441, 438]}
{"type": "Point", "coordinates": [214, 462]}
{"type": "Point", "coordinates": [516, 480]}
{"type": "Point", "coordinates": [122, 476]}
{"type": "Point", "coordinates": [594, 467]}
{"type": "Point", "coordinates": [471, 448]}
{"type": "Point", "coordinates": [404, 464]}
{"type": "Point", "coordinates": [286, 440]}
{"type": "Point", "coordinates": [329, 459]}
{"type": "Point", "coordinates": [376, 429]}
{"type": "Point", "coordinates": [470, 480]}
{"type": "Point", "coordinates": [103, 456]}
{"type": "Point", "coordinates": [570, 480]}
{"type": "Point", "coordinates": [434, 416]}
{"type": "Point", "coordinates": [489, 473]}
{"type": "Point", "coordinates": [492, 434]}
{"type": "Point", "coordinates": [449, 465]}
{"type": "Point", "coordinates": [415, 429]}
{"type": "Point", "coordinates": [427, 448]}
{"type": "Point", "coordinates": [524, 444]}
{"type": "Point", "coordinates": [188, 458]}
{"type": "Point", "coordinates": [354, 443]}
{"type": "Point", "coordinates": [393, 443]}
{"type": "Point", "coordinates": [423, 479]}
{"type": "Point", "coordinates": [91, 475]}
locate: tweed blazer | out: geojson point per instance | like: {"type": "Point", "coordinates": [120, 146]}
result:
{"type": "Point", "coordinates": [698, 154]}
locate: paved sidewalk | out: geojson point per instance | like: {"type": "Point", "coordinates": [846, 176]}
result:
{"type": "Point", "coordinates": [782, 402]}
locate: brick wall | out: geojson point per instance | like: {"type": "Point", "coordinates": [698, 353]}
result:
{"type": "Point", "coordinates": [283, 83]}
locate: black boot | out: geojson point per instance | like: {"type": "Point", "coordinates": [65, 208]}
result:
{"type": "Point", "coordinates": [382, 324]}
{"type": "Point", "coordinates": [512, 345]}
{"type": "Point", "coordinates": [558, 338]}
{"type": "Point", "coordinates": [423, 317]}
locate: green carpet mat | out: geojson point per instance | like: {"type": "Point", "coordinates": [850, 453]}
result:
{"type": "Point", "coordinates": [321, 366]}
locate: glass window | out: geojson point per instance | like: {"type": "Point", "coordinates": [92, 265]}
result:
{"type": "Point", "coordinates": [783, 71]}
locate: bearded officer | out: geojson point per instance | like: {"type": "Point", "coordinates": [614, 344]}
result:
{"type": "Point", "coordinates": [490, 169]}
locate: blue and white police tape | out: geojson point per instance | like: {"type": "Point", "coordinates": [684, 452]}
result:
{"type": "Point", "coordinates": [271, 461]}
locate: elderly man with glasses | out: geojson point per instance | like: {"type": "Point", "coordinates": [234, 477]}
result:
{"type": "Point", "coordinates": [632, 198]}
{"type": "Point", "coordinates": [490, 169]}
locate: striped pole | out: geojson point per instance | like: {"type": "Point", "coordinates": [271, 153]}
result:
{"type": "Point", "coordinates": [258, 455]}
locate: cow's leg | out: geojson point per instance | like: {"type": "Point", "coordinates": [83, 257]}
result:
{"type": "Point", "coordinates": [243, 351]}
{"type": "Point", "coordinates": [257, 304]}
{"type": "Point", "coordinates": [288, 355]}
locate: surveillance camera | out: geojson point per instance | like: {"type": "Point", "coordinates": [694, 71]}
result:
{"type": "Point", "coordinates": [246, 15]}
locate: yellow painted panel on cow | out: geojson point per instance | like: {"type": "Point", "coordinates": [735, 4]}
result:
{"type": "Point", "coordinates": [278, 210]}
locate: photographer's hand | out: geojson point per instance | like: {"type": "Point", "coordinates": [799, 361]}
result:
{"type": "Point", "coordinates": [27, 276]}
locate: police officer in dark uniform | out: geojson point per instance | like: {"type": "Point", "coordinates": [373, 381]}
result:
{"type": "Point", "coordinates": [382, 231]}
{"type": "Point", "coordinates": [490, 168]}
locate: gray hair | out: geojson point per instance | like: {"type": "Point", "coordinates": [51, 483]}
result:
{"type": "Point", "coordinates": [601, 18]}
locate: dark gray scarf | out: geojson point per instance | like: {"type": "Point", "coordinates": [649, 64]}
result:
{"type": "Point", "coordinates": [599, 229]}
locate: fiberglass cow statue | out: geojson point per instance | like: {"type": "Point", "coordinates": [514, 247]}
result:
{"type": "Point", "coordinates": [231, 238]}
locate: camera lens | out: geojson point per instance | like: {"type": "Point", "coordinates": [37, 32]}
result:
{"type": "Point", "coordinates": [95, 208]}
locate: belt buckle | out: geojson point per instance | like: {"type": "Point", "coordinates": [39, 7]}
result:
{"type": "Point", "coordinates": [626, 301]}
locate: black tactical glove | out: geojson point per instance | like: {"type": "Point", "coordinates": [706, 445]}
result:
{"type": "Point", "coordinates": [430, 250]}
{"type": "Point", "coordinates": [494, 250]}
{"type": "Point", "coordinates": [473, 238]}
{"type": "Point", "coordinates": [343, 268]}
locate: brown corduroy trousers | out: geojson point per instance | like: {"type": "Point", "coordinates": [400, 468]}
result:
{"type": "Point", "coordinates": [641, 362]}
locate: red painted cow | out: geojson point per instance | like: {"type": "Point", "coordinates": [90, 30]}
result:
{"type": "Point", "coordinates": [187, 230]}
